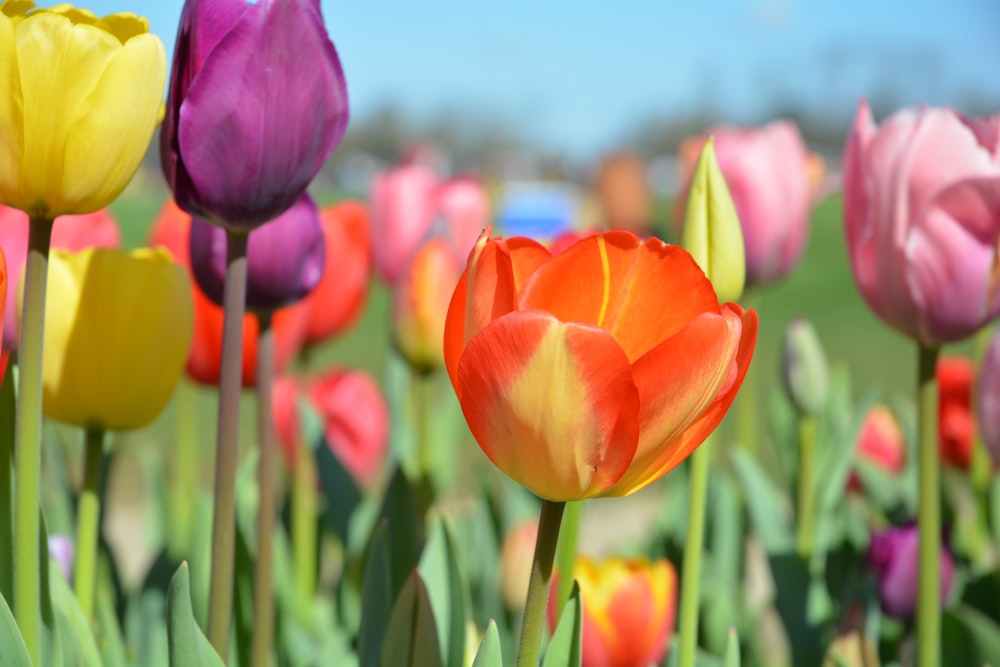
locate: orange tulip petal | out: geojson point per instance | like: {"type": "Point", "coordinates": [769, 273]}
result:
{"type": "Point", "coordinates": [686, 386]}
{"type": "Point", "coordinates": [552, 404]}
{"type": "Point", "coordinates": [641, 292]}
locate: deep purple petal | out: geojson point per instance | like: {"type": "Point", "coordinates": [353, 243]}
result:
{"type": "Point", "coordinates": [262, 114]}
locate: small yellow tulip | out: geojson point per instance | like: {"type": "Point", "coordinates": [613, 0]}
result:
{"type": "Point", "coordinates": [79, 100]}
{"type": "Point", "coordinates": [118, 330]}
{"type": "Point", "coordinates": [712, 232]}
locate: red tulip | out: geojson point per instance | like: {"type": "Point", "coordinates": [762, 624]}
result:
{"type": "Point", "coordinates": [956, 423]}
{"type": "Point", "coordinates": [593, 372]}
{"type": "Point", "coordinates": [922, 215]}
{"type": "Point", "coordinates": [881, 443]}
{"type": "Point", "coordinates": [70, 232]}
{"type": "Point", "coordinates": [339, 298]}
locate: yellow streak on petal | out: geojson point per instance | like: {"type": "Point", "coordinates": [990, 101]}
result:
{"type": "Point", "coordinates": [606, 271]}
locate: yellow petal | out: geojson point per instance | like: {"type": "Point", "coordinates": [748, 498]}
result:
{"type": "Point", "coordinates": [11, 118]}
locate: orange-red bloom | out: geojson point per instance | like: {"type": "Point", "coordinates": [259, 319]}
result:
{"type": "Point", "coordinates": [629, 607]}
{"type": "Point", "coordinates": [880, 443]}
{"type": "Point", "coordinates": [596, 371]}
{"type": "Point", "coordinates": [956, 424]}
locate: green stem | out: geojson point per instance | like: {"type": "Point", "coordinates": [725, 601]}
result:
{"type": "Point", "coordinates": [28, 440]}
{"type": "Point", "coordinates": [807, 499]}
{"type": "Point", "coordinates": [263, 586]}
{"type": "Point", "coordinates": [304, 537]}
{"type": "Point", "coordinates": [693, 546]}
{"type": "Point", "coordinates": [928, 513]}
{"type": "Point", "coordinates": [89, 522]}
{"type": "Point", "coordinates": [538, 586]}
{"type": "Point", "coordinates": [186, 471]}
{"type": "Point", "coordinates": [220, 603]}
{"type": "Point", "coordinates": [569, 538]}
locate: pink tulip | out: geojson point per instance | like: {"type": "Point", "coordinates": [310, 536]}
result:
{"type": "Point", "coordinates": [922, 214]}
{"type": "Point", "coordinates": [70, 232]}
{"type": "Point", "coordinates": [771, 176]}
{"type": "Point", "coordinates": [463, 207]}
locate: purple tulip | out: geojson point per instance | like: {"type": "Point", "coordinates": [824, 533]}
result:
{"type": "Point", "coordinates": [257, 102]}
{"type": "Point", "coordinates": [894, 555]}
{"type": "Point", "coordinates": [285, 258]}
{"type": "Point", "coordinates": [62, 550]}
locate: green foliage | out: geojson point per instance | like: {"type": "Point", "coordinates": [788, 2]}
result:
{"type": "Point", "coordinates": [13, 652]}
{"type": "Point", "coordinates": [489, 654]}
{"type": "Point", "coordinates": [411, 639]}
{"type": "Point", "coordinates": [188, 646]}
{"type": "Point", "coordinates": [565, 649]}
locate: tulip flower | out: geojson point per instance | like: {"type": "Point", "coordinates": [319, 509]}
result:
{"type": "Point", "coordinates": [623, 193]}
{"type": "Point", "coordinates": [804, 368]}
{"type": "Point", "coordinates": [285, 258]}
{"type": "Point", "coordinates": [257, 102]}
{"type": "Point", "coordinates": [61, 550]}
{"type": "Point", "coordinates": [956, 423]}
{"type": "Point", "coordinates": [988, 400]}
{"type": "Point", "coordinates": [629, 607]}
{"type": "Point", "coordinates": [70, 232]}
{"type": "Point", "coordinates": [337, 301]}
{"type": "Point", "coordinates": [880, 442]}
{"type": "Point", "coordinates": [922, 213]}
{"type": "Point", "coordinates": [82, 96]}
{"type": "Point", "coordinates": [462, 210]}
{"type": "Point", "coordinates": [893, 556]}
{"type": "Point", "coordinates": [768, 172]}
{"type": "Point", "coordinates": [596, 371]}
{"type": "Point", "coordinates": [420, 305]}
{"type": "Point", "coordinates": [402, 213]}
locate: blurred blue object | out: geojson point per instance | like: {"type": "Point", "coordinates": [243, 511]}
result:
{"type": "Point", "coordinates": [541, 211]}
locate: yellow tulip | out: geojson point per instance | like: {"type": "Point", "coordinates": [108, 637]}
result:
{"type": "Point", "coordinates": [118, 330]}
{"type": "Point", "coordinates": [79, 100]}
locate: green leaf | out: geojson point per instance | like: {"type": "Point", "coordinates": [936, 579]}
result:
{"type": "Point", "coordinates": [377, 606]}
{"type": "Point", "coordinates": [768, 510]}
{"type": "Point", "coordinates": [339, 488]}
{"type": "Point", "coordinates": [109, 636]}
{"type": "Point", "coordinates": [969, 637]}
{"type": "Point", "coordinates": [13, 652]}
{"type": "Point", "coordinates": [411, 639]}
{"type": "Point", "coordinates": [565, 648]}
{"type": "Point", "coordinates": [731, 658]}
{"type": "Point", "coordinates": [145, 631]}
{"type": "Point", "coordinates": [446, 588]}
{"type": "Point", "coordinates": [406, 529]}
{"type": "Point", "coordinates": [488, 654]}
{"type": "Point", "coordinates": [72, 625]}
{"type": "Point", "coordinates": [188, 647]}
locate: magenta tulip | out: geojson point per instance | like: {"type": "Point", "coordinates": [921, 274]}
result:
{"type": "Point", "coordinates": [285, 258]}
{"type": "Point", "coordinates": [770, 174]}
{"type": "Point", "coordinates": [922, 214]}
{"type": "Point", "coordinates": [893, 555]}
{"type": "Point", "coordinates": [257, 101]}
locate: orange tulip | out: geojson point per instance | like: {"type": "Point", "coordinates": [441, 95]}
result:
{"type": "Point", "coordinates": [596, 371]}
{"type": "Point", "coordinates": [629, 607]}
{"type": "Point", "coordinates": [956, 422]}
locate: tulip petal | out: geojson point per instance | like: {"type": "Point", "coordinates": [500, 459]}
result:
{"type": "Point", "coordinates": [553, 405]}
{"type": "Point", "coordinates": [262, 98]}
{"type": "Point", "coordinates": [640, 292]}
{"type": "Point", "coordinates": [686, 385]}
{"type": "Point", "coordinates": [499, 270]}
{"type": "Point", "coordinates": [11, 113]}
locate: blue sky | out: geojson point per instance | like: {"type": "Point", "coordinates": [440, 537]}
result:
{"type": "Point", "coordinates": [578, 76]}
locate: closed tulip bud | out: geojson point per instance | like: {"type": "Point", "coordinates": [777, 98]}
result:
{"type": "Point", "coordinates": [70, 232]}
{"type": "Point", "coordinates": [956, 423]}
{"type": "Point", "coordinates": [337, 301]}
{"type": "Point", "coordinates": [82, 96]}
{"type": "Point", "coordinates": [804, 368]}
{"type": "Point", "coordinates": [420, 305]}
{"type": "Point", "coordinates": [894, 555]}
{"type": "Point", "coordinates": [880, 443]}
{"type": "Point", "coordinates": [516, 556]}
{"type": "Point", "coordinates": [988, 400]}
{"type": "Point", "coordinates": [118, 329]}
{"type": "Point", "coordinates": [712, 231]}
{"type": "Point", "coordinates": [402, 213]}
{"type": "Point", "coordinates": [62, 550]}
{"type": "Point", "coordinates": [285, 258]}
{"type": "Point", "coordinates": [257, 102]}
{"type": "Point", "coordinates": [629, 607]}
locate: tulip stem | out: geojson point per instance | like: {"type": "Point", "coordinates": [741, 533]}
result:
{"type": "Point", "coordinates": [928, 513]}
{"type": "Point", "coordinates": [28, 440]}
{"type": "Point", "coordinates": [220, 605]}
{"type": "Point", "coordinates": [263, 587]}
{"type": "Point", "coordinates": [538, 585]}
{"type": "Point", "coordinates": [304, 538]}
{"type": "Point", "coordinates": [186, 471]}
{"type": "Point", "coordinates": [88, 519]}
{"type": "Point", "coordinates": [807, 499]}
{"type": "Point", "coordinates": [569, 537]}
{"type": "Point", "coordinates": [693, 546]}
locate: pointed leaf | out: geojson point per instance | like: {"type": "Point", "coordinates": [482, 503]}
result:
{"type": "Point", "coordinates": [405, 531]}
{"type": "Point", "coordinates": [411, 639]}
{"type": "Point", "coordinates": [13, 652]}
{"type": "Point", "coordinates": [565, 648]}
{"type": "Point", "coordinates": [446, 588]}
{"type": "Point", "coordinates": [732, 655]}
{"type": "Point", "coordinates": [488, 654]}
{"type": "Point", "coordinates": [377, 605]}
{"type": "Point", "coordinates": [187, 645]}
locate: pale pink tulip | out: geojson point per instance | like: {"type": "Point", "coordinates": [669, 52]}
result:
{"type": "Point", "coordinates": [402, 210]}
{"type": "Point", "coordinates": [922, 215]}
{"type": "Point", "coordinates": [771, 176]}
{"type": "Point", "coordinates": [463, 209]}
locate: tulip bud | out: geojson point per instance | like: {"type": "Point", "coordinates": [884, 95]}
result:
{"type": "Point", "coordinates": [285, 258]}
{"type": "Point", "coordinates": [880, 443]}
{"type": "Point", "coordinates": [61, 549]}
{"type": "Point", "coordinates": [956, 425]}
{"type": "Point", "coordinates": [988, 400]}
{"type": "Point", "coordinates": [712, 232]}
{"type": "Point", "coordinates": [894, 556]}
{"type": "Point", "coordinates": [516, 557]}
{"type": "Point", "coordinates": [805, 372]}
